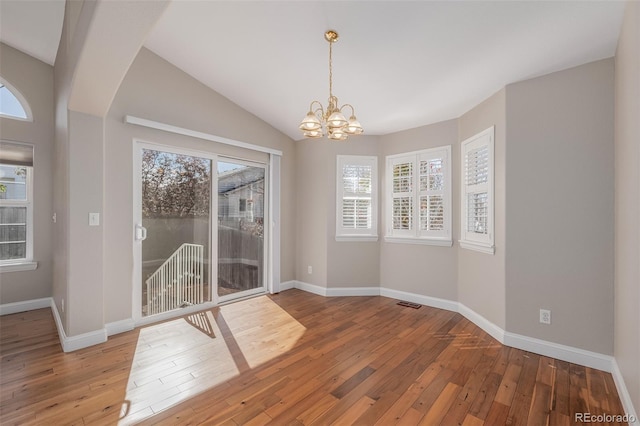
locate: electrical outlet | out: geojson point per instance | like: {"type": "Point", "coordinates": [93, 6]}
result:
{"type": "Point", "coordinates": [309, 270]}
{"type": "Point", "coordinates": [545, 316]}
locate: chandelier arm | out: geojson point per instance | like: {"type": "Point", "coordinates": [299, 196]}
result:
{"type": "Point", "coordinates": [320, 108]}
{"type": "Point", "coordinates": [353, 111]}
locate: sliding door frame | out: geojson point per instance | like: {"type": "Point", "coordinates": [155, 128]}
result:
{"type": "Point", "coordinates": [271, 259]}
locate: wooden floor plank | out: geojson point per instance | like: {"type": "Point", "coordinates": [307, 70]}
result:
{"type": "Point", "coordinates": [292, 358]}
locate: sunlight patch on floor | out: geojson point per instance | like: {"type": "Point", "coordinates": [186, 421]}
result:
{"type": "Point", "coordinates": [262, 329]}
{"type": "Point", "coordinates": [178, 359]}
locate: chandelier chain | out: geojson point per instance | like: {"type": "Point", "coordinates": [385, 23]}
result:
{"type": "Point", "coordinates": [330, 71]}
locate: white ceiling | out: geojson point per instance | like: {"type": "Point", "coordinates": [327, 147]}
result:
{"type": "Point", "coordinates": [32, 26]}
{"type": "Point", "coordinates": [401, 64]}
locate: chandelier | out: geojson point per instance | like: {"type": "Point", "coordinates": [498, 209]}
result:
{"type": "Point", "coordinates": [331, 119]}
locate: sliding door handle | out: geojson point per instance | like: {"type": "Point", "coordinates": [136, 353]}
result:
{"type": "Point", "coordinates": [141, 233]}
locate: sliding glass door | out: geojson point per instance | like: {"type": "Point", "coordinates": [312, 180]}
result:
{"type": "Point", "coordinates": [241, 219]}
{"type": "Point", "coordinates": [175, 229]}
{"type": "Point", "coordinates": [184, 257]}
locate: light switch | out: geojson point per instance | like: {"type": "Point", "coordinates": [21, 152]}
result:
{"type": "Point", "coordinates": [94, 219]}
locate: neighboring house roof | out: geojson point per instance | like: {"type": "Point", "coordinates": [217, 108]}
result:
{"type": "Point", "coordinates": [235, 179]}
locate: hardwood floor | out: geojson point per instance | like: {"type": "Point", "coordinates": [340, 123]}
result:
{"type": "Point", "coordinates": [292, 358]}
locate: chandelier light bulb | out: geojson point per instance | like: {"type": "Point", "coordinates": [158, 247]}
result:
{"type": "Point", "coordinates": [353, 126]}
{"type": "Point", "coordinates": [336, 120]}
{"type": "Point", "coordinates": [310, 122]}
{"type": "Point", "coordinates": [337, 135]}
{"type": "Point", "coordinates": [313, 134]}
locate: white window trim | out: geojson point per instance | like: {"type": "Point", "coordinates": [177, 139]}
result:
{"type": "Point", "coordinates": [26, 264]}
{"type": "Point", "coordinates": [18, 267]}
{"type": "Point", "coordinates": [471, 240]}
{"type": "Point", "coordinates": [415, 236]}
{"type": "Point", "coordinates": [357, 235]}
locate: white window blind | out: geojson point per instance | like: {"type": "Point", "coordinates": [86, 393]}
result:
{"type": "Point", "coordinates": [419, 194]}
{"type": "Point", "coordinates": [356, 205]}
{"type": "Point", "coordinates": [477, 192]}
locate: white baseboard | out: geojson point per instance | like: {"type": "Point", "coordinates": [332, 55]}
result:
{"type": "Point", "coordinates": [287, 285]}
{"type": "Point", "coordinates": [80, 341]}
{"type": "Point", "coordinates": [27, 305]}
{"type": "Point", "coordinates": [353, 291]}
{"type": "Point", "coordinates": [84, 340]}
{"type": "Point", "coordinates": [623, 392]}
{"type": "Point", "coordinates": [558, 351]}
{"type": "Point", "coordinates": [121, 326]}
{"type": "Point", "coordinates": [434, 302]}
{"type": "Point", "coordinates": [311, 288]}
{"type": "Point", "coordinates": [331, 291]}
{"type": "Point", "coordinates": [489, 327]}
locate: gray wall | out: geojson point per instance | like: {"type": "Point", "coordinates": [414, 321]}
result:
{"type": "Point", "coordinates": [552, 134]}
{"type": "Point", "coordinates": [560, 206]}
{"type": "Point", "coordinates": [312, 196]}
{"type": "Point", "coordinates": [627, 202]}
{"type": "Point", "coordinates": [34, 79]}
{"type": "Point", "coordinates": [156, 90]}
{"type": "Point", "coordinates": [420, 269]}
{"type": "Point", "coordinates": [85, 304]}
{"type": "Point", "coordinates": [349, 264]}
{"type": "Point", "coordinates": [334, 264]}
{"type": "Point", "coordinates": [78, 183]}
{"type": "Point", "coordinates": [481, 276]}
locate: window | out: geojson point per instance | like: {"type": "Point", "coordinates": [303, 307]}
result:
{"type": "Point", "coordinates": [16, 207]}
{"type": "Point", "coordinates": [419, 197]}
{"type": "Point", "coordinates": [356, 198]}
{"type": "Point", "coordinates": [12, 104]}
{"type": "Point", "coordinates": [477, 193]}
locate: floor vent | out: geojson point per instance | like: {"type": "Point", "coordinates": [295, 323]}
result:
{"type": "Point", "coordinates": [409, 304]}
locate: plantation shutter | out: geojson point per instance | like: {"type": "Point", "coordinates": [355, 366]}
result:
{"type": "Point", "coordinates": [477, 192]}
{"type": "Point", "coordinates": [356, 201]}
{"type": "Point", "coordinates": [476, 177]}
{"type": "Point", "coordinates": [356, 191]}
{"type": "Point", "coordinates": [402, 195]}
{"type": "Point", "coordinates": [433, 199]}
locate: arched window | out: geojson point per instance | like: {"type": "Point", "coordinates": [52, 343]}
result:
{"type": "Point", "coordinates": [13, 104]}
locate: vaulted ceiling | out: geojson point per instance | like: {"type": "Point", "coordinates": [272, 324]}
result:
{"type": "Point", "coordinates": [400, 64]}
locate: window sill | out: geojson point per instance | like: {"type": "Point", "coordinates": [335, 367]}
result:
{"type": "Point", "coordinates": [17, 267]}
{"type": "Point", "coordinates": [357, 238]}
{"type": "Point", "coordinates": [482, 248]}
{"type": "Point", "coordinates": [421, 241]}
